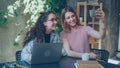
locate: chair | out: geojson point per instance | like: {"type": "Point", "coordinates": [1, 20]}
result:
{"type": "Point", "coordinates": [1, 65]}
{"type": "Point", "coordinates": [18, 55]}
{"type": "Point", "coordinates": [18, 59]}
{"type": "Point", "coordinates": [104, 54]}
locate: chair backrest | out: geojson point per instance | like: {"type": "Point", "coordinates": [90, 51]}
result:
{"type": "Point", "coordinates": [18, 55]}
{"type": "Point", "coordinates": [104, 54]}
{"type": "Point", "coordinates": [2, 65]}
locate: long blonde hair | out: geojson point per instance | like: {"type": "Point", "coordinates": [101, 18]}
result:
{"type": "Point", "coordinates": [65, 26]}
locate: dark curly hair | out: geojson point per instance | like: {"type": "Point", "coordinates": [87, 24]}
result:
{"type": "Point", "coordinates": [38, 30]}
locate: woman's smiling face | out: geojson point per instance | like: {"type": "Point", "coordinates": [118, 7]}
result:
{"type": "Point", "coordinates": [70, 19]}
{"type": "Point", "coordinates": [51, 23]}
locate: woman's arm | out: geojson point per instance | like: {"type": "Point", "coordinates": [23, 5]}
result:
{"type": "Point", "coordinates": [101, 15]}
{"type": "Point", "coordinates": [72, 53]}
{"type": "Point", "coordinates": [69, 51]}
{"type": "Point", "coordinates": [26, 52]}
{"type": "Point", "coordinates": [102, 29]}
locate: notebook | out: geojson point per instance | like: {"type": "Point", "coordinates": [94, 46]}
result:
{"type": "Point", "coordinates": [46, 53]}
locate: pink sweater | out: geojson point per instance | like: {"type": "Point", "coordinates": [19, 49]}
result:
{"type": "Point", "coordinates": [78, 40]}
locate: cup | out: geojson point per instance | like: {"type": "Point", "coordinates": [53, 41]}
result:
{"type": "Point", "coordinates": [81, 19]}
{"type": "Point", "coordinates": [92, 13]}
{"type": "Point", "coordinates": [85, 57]}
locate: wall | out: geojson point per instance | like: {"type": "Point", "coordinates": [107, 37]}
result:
{"type": "Point", "coordinates": [111, 41]}
{"type": "Point", "coordinates": [9, 32]}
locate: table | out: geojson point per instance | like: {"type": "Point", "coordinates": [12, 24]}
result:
{"type": "Point", "coordinates": [109, 65]}
{"type": "Point", "coordinates": [68, 62]}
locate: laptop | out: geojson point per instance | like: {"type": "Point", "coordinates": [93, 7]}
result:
{"type": "Point", "coordinates": [46, 53]}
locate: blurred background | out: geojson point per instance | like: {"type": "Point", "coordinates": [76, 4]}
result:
{"type": "Point", "coordinates": [18, 16]}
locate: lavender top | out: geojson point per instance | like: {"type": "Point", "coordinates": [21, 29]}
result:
{"type": "Point", "coordinates": [78, 40]}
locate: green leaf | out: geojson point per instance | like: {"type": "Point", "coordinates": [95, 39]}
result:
{"type": "Point", "coordinates": [15, 43]}
{"type": "Point", "coordinates": [59, 29]}
{"type": "Point", "coordinates": [3, 21]}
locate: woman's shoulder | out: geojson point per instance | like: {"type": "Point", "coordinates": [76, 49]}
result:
{"type": "Point", "coordinates": [85, 27]}
{"type": "Point", "coordinates": [31, 43]}
{"type": "Point", "coordinates": [63, 32]}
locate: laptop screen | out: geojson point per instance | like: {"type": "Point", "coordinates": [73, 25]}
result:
{"type": "Point", "coordinates": [46, 53]}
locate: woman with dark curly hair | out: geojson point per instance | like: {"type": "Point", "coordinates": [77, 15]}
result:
{"type": "Point", "coordinates": [43, 31]}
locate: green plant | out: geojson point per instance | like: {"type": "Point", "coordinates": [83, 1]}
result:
{"type": "Point", "coordinates": [11, 12]}
{"type": "Point", "coordinates": [3, 19]}
{"type": "Point", "coordinates": [31, 8]}
{"type": "Point", "coordinates": [55, 5]}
